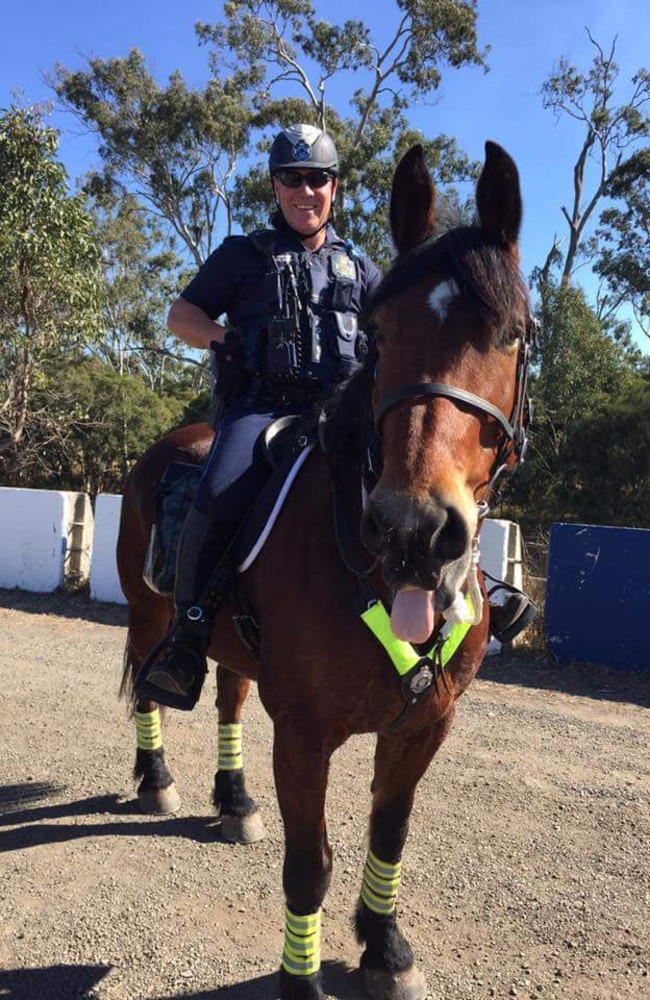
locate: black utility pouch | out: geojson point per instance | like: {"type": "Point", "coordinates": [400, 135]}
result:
{"type": "Point", "coordinates": [231, 379]}
{"type": "Point", "coordinates": [344, 327]}
{"type": "Point", "coordinates": [342, 295]}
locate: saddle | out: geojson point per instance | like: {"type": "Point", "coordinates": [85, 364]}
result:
{"type": "Point", "coordinates": [276, 450]}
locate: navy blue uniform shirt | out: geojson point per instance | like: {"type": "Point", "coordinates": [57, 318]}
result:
{"type": "Point", "coordinates": [231, 279]}
{"type": "Point", "coordinates": [231, 282]}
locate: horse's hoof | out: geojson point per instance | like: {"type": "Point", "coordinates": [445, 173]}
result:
{"type": "Point", "coordinates": [243, 829]}
{"type": "Point", "coordinates": [159, 801]}
{"type": "Point", "coordinates": [407, 985]}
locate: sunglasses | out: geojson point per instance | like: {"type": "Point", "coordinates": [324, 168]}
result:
{"type": "Point", "coordinates": [295, 179]}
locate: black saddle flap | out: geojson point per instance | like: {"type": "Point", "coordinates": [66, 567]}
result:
{"type": "Point", "coordinates": [174, 498]}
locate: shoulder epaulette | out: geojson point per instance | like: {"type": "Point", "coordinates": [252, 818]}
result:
{"type": "Point", "coordinates": [264, 240]}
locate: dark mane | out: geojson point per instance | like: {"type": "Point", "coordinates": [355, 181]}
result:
{"type": "Point", "coordinates": [345, 415]}
{"type": "Point", "coordinates": [483, 270]}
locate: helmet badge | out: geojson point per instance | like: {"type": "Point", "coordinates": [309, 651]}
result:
{"type": "Point", "coordinates": [301, 151]}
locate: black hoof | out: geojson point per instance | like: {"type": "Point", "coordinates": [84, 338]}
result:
{"type": "Point", "coordinates": [301, 987]}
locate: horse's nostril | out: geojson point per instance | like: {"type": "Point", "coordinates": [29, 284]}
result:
{"type": "Point", "coordinates": [371, 533]}
{"type": "Point", "coordinates": [452, 541]}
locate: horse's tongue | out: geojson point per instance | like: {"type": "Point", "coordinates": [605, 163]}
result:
{"type": "Point", "coordinates": [412, 615]}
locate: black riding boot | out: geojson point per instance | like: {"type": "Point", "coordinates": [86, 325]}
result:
{"type": "Point", "coordinates": [517, 612]}
{"type": "Point", "coordinates": [174, 671]}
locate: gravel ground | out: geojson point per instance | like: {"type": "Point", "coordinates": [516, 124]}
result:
{"type": "Point", "coordinates": [526, 871]}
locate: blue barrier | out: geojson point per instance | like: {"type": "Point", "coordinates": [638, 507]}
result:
{"type": "Point", "coordinates": [598, 595]}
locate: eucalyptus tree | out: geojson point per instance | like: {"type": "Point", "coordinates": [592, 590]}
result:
{"type": "Point", "coordinates": [176, 149]}
{"type": "Point", "coordinates": [141, 274]}
{"type": "Point", "coordinates": [609, 129]}
{"type": "Point", "coordinates": [356, 80]}
{"type": "Point", "coordinates": [624, 238]}
{"type": "Point", "coordinates": [272, 63]}
{"type": "Point", "coordinates": [50, 279]}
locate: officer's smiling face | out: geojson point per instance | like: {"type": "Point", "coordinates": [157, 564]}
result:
{"type": "Point", "coordinates": [305, 208]}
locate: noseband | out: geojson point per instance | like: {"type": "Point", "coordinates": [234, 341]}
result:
{"type": "Point", "coordinates": [515, 428]}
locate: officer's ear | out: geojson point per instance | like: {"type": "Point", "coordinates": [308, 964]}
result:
{"type": "Point", "coordinates": [335, 184]}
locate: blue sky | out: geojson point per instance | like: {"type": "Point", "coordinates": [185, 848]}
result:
{"type": "Point", "coordinates": [526, 38]}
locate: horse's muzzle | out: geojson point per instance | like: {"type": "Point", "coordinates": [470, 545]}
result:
{"type": "Point", "coordinates": [418, 542]}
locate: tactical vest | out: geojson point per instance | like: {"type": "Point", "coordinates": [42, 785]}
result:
{"type": "Point", "coordinates": [312, 301]}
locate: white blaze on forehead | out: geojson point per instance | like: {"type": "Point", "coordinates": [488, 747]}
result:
{"type": "Point", "coordinates": [441, 297]}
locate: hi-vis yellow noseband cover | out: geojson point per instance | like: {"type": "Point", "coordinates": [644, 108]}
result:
{"type": "Point", "coordinates": [147, 730]}
{"type": "Point", "coordinates": [402, 654]}
{"type": "Point", "coordinates": [301, 955]}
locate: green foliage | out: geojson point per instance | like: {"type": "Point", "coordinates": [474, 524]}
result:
{"type": "Point", "coordinates": [175, 148]}
{"type": "Point", "coordinates": [579, 370]}
{"type": "Point", "coordinates": [624, 236]}
{"type": "Point", "coordinates": [50, 289]}
{"type": "Point", "coordinates": [90, 425]}
{"type": "Point", "coordinates": [141, 276]}
{"type": "Point", "coordinates": [180, 151]}
{"type": "Point", "coordinates": [605, 467]}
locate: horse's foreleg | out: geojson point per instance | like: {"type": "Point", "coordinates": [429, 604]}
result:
{"type": "Point", "coordinates": [301, 767]}
{"type": "Point", "coordinates": [388, 966]}
{"type": "Point", "coordinates": [241, 822]}
{"type": "Point", "coordinates": [156, 789]}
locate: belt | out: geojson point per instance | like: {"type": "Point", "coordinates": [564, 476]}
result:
{"type": "Point", "coordinates": [278, 392]}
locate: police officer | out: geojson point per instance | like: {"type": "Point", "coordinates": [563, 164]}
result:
{"type": "Point", "coordinates": [292, 294]}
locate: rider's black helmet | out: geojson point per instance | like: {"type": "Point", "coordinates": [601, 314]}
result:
{"type": "Point", "coordinates": [303, 146]}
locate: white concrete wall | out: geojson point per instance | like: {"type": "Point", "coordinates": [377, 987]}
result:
{"type": "Point", "coordinates": [501, 557]}
{"type": "Point", "coordinates": [33, 538]}
{"type": "Point", "coordinates": [34, 528]}
{"type": "Point", "coordinates": [104, 581]}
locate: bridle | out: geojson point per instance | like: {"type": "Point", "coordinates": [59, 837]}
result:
{"type": "Point", "coordinates": [515, 428]}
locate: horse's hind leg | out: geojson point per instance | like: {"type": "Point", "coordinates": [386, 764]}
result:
{"type": "Point", "coordinates": [388, 966]}
{"type": "Point", "coordinates": [241, 822]}
{"type": "Point", "coordinates": [157, 793]}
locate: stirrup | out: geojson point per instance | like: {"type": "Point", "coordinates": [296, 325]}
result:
{"type": "Point", "coordinates": [147, 689]}
{"type": "Point", "coordinates": [508, 620]}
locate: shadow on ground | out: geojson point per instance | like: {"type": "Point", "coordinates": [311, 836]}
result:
{"type": "Point", "coordinates": [538, 669]}
{"type": "Point", "coordinates": [338, 981]}
{"type": "Point", "coordinates": [58, 982]}
{"type": "Point", "coordinates": [64, 605]}
{"type": "Point", "coordinates": [24, 824]}
{"type": "Point", "coordinates": [78, 982]}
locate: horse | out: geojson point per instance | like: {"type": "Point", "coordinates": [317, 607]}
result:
{"type": "Point", "coordinates": [412, 448]}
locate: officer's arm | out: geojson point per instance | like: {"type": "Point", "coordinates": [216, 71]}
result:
{"type": "Point", "coordinates": [193, 326]}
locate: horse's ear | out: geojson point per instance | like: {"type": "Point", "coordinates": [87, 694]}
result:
{"type": "Point", "coordinates": [412, 201]}
{"type": "Point", "coordinates": [498, 196]}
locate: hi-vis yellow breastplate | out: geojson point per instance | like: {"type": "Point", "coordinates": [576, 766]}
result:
{"type": "Point", "coordinates": [416, 670]}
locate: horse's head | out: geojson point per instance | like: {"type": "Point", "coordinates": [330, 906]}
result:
{"type": "Point", "coordinates": [451, 323]}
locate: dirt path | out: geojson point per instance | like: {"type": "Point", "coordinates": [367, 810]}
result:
{"type": "Point", "coordinates": [526, 872]}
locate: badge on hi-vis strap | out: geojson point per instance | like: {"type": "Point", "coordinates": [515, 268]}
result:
{"type": "Point", "coordinates": [343, 267]}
